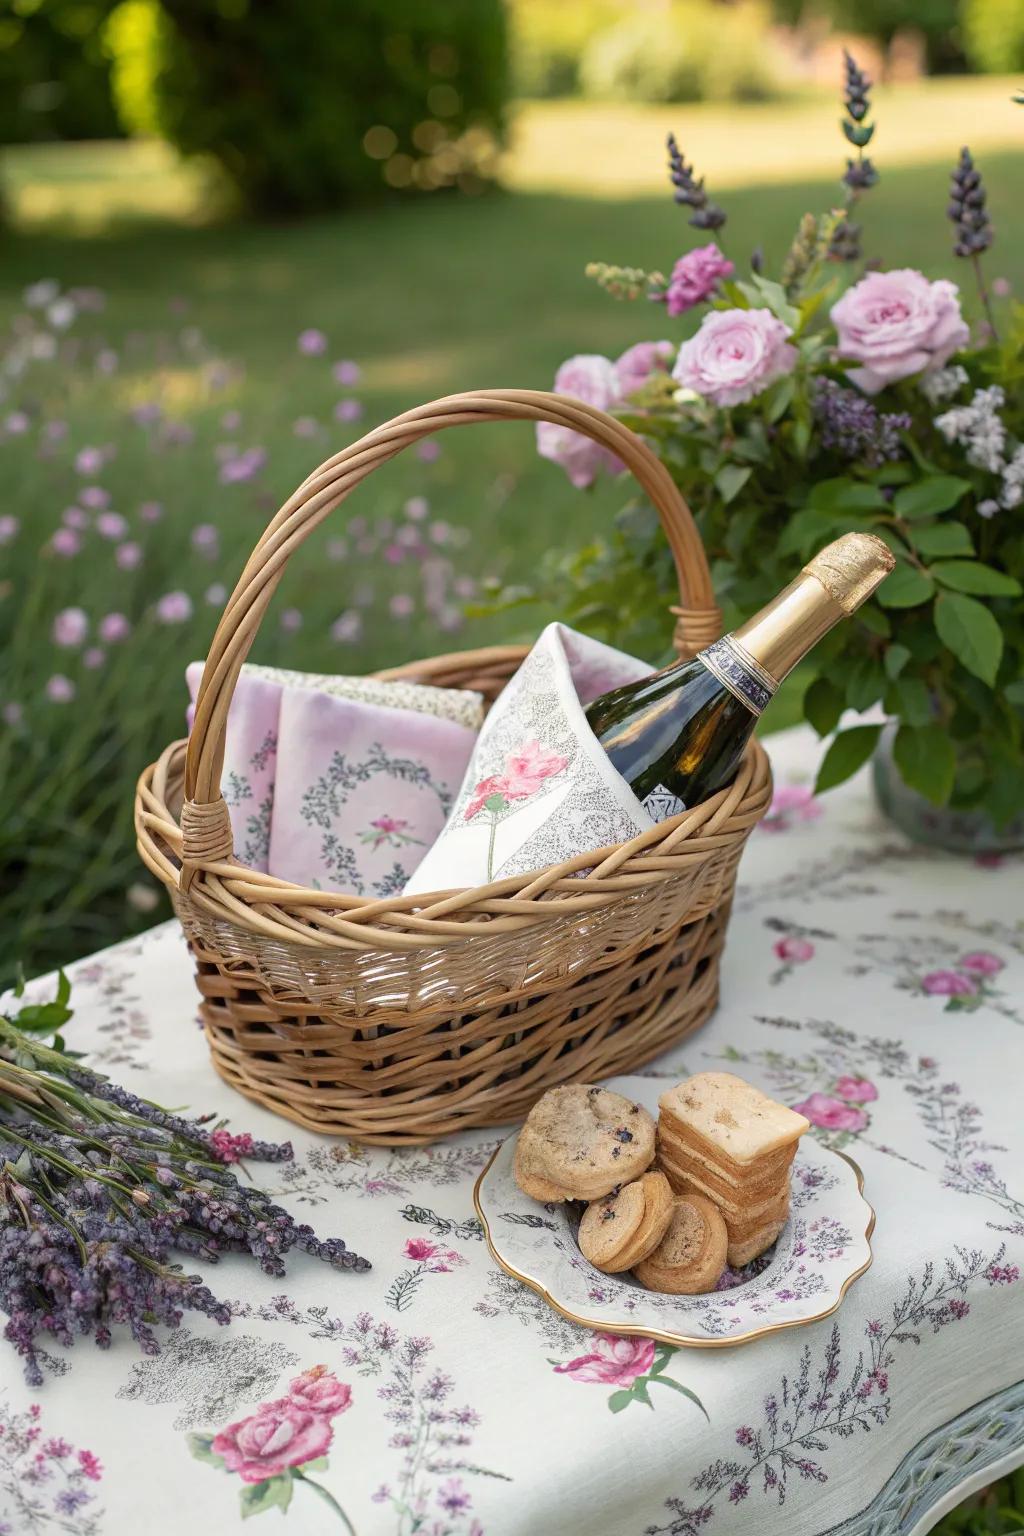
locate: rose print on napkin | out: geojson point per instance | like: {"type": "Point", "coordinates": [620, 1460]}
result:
{"type": "Point", "coordinates": [280, 1443]}
{"type": "Point", "coordinates": [539, 788]}
{"type": "Point", "coordinates": [500, 794]}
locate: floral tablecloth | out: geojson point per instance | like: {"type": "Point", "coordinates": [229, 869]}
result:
{"type": "Point", "coordinates": [878, 986]}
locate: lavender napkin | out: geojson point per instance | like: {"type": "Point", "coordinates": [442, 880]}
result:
{"type": "Point", "coordinates": [341, 783]}
{"type": "Point", "coordinates": [539, 789]}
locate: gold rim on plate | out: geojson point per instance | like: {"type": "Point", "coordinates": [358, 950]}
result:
{"type": "Point", "coordinates": [664, 1336]}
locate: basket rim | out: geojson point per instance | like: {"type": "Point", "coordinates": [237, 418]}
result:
{"type": "Point", "coordinates": [264, 905]}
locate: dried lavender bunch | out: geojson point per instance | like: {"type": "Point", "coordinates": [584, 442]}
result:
{"type": "Point", "coordinates": [690, 192]}
{"type": "Point", "coordinates": [851, 425]}
{"type": "Point", "coordinates": [967, 208]}
{"type": "Point", "coordinates": [99, 1188]}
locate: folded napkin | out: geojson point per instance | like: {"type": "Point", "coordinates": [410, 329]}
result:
{"type": "Point", "coordinates": [539, 788]}
{"type": "Point", "coordinates": [341, 783]}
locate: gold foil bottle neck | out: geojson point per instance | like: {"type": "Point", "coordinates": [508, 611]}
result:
{"type": "Point", "coordinates": [851, 568]}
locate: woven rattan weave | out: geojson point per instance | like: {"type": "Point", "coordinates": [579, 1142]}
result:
{"type": "Point", "coordinates": [402, 1020]}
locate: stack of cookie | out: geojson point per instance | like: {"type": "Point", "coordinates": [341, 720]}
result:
{"type": "Point", "coordinates": [718, 1195]}
{"type": "Point", "coordinates": [721, 1138]}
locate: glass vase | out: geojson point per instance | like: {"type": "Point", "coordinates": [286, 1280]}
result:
{"type": "Point", "coordinates": [959, 831]}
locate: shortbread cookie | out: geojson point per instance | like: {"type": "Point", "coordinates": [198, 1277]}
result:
{"type": "Point", "coordinates": [765, 1202]}
{"type": "Point", "coordinates": [690, 1258]}
{"type": "Point", "coordinates": [727, 1178]}
{"type": "Point", "coordinates": [586, 1141]}
{"type": "Point", "coordinates": [537, 1188]}
{"type": "Point", "coordinates": [742, 1251]}
{"type": "Point", "coordinates": [724, 1117]}
{"type": "Point", "coordinates": [609, 1225]}
{"type": "Point", "coordinates": [658, 1202]}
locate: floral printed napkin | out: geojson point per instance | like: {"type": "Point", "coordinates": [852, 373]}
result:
{"type": "Point", "coordinates": [539, 788]}
{"type": "Point", "coordinates": [341, 782]}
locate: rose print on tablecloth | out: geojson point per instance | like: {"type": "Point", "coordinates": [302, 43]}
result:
{"type": "Point", "coordinates": [968, 984]}
{"type": "Point", "coordinates": [792, 950]}
{"type": "Point", "coordinates": [629, 1365]}
{"type": "Point", "coordinates": [280, 1443]}
{"type": "Point", "coordinates": [45, 1482]}
{"type": "Point", "coordinates": [428, 1258]}
{"type": "Point", "coordinates": [791, 803]}
{"type": "Point", "coordinates": [501, 794]}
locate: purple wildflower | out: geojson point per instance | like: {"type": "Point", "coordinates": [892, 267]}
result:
{"type": "Point", "coordinates": [348, 410]}
{"type": "Point", "coordinates": [94, 497]}
{"type": "Point", "coordinates": [113, 628]}
{"type": "Point", "coordinates": [9, 526]}
{"type": "Point", "coordinates": [852, 426]}
{"type": "Point", "coordinates": [312, 343]}
{"type": "Point", "coordinates": [60, 689]}
{"type": "Point", "coordinates": [346, 373]}
{"type": "Point", "coordinates": [111, 525]}
{"type": "Point", "coordinates": [70, 628]}
{"type": "Point", "coordinates": [174, 608]}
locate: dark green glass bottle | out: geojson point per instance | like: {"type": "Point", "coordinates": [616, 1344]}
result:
{"type": "Point", "coordinates": [678, 736]}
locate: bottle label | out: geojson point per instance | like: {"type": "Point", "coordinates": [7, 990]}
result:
{"type": "Point", "coordinates": [737, 670]}
{"type": "Point", "coordinates": [661, 803]}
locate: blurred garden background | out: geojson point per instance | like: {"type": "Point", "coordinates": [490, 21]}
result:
{"type": "Point", "coordinates": [237, 235]}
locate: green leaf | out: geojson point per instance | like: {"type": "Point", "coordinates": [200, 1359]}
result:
{"type": "Point", "coordinates": [846, 495]}
{"type": "Point", "coordinates": [849, 751]}
{"type": "Point", "coordinates": [662, 1355]}
{"type": "Point", "coordinates": [972, 576]}
{"type": "Point", "coordinates": [913, 701]}
{"type": "Point", "coordinates": [874, 619]}
{"type": "Point", "coordinates": [865, 684]}
{"type": "Point", "coordinates": [319, 1464]}
{"type": "Point", "coordinates": [971, 632]}
{"type": "Point", "coordinates": [763, 291]}
{"type": "Point", "coordinates": [859, 134]}
{"type": "Point", "coordinates": [730, 480]}
{"type": "Point", "coordinates": [779, 398]}
{"type": "Point", "coordinates": [620, 1400]}
{"type": "Point", "coordinates": [905, 587]}
{"type": "Point", "coordinates": [924, 498]}
{"type": "Point", "coordinates": [896, 658]}
{"type": "Point", "coordinates": [677, 1386]}
{"type": "Point", "coordinates": [199, 1445]}
{"type": "Point", "coordinates": [938, 539]}
{"type": "Point", "coordinates": [1015, 691]}
{"type": "Point", "coordinates": [823, 705]}
{"type": "Point", "coordinates": [926, 760]}
{"type": "Point", "coordinates": [274, 1493]}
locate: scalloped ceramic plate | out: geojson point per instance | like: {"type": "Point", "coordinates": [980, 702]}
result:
{"type": "Point", "coordinates": [824, 1247]}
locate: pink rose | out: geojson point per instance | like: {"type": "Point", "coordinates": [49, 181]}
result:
{"type": "Point", "coordinates": [320, 1392]}
{"type": "Point", "coordinates": [735, 355]}
{"type": "Point", "coordinates": [593, 379]}
{"type": "Point", "coordinates": [795, 950]}
{"type": "Point", "coordinates": [898, 324]}
{"type": "Point", "coordinates": [614, 1362]}
{"type": "Point", "coordinates": [856, 1088]}
{"type": "Point", "coordinates": [948, 984]}
{"type": "Point", "coordinates": [695, 277]}
{"type": "Point", "coordinates": [829, 1113]}
{"type": "Point", "coordinates": [276, 1437]}
{"type": "Point", "coordinates": [981, 963]}
{"type": "Point", "coordinates": [492, 785]}
{"type": "Point", "coordinates": [639, 362]}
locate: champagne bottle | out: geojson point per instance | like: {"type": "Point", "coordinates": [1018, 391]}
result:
{"type": "Point", "coordinates": [678, 735]}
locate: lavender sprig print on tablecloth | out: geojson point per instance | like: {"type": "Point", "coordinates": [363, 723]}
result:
{"type": "Point", "coordinates": [374, 1173]}
{"type": "Point", "coordinates": [46, 1484]}
{"type": "Point", "coordinates": [432, 1434]}
{"type": "Point", "coordinates": [833, 1396]}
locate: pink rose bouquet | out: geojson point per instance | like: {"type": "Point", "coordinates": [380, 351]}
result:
{"type": "Point", "coordinates": [839, 391]}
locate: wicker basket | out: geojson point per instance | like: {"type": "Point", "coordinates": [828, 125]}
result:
{"type": "Point", "coordinates": [399, 1021]}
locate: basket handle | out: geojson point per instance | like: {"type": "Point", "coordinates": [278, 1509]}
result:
{"type": "Point", "coordinates": [205, 823]}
